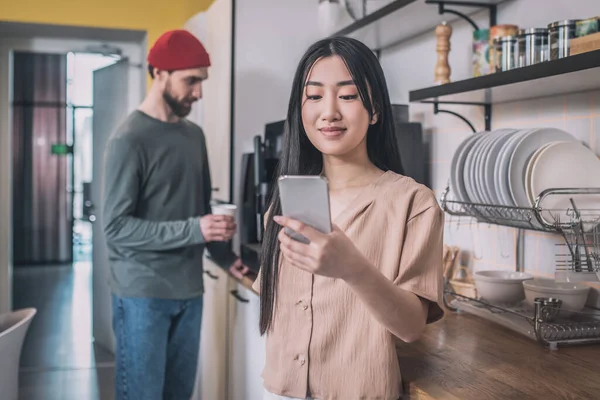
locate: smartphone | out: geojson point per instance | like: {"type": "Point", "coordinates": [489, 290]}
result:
{"type": "Point", "coordinates": [306, 199]}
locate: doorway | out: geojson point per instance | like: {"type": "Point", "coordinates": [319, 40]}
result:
{"type": "Point", "coordinates": [80, 95]}
{"type": "Point", "coordinates": [63, 344]}
{"type": "Point", "coordinates": [58, 40]}
{"type": "Point", "coordinates": [52, 238]}
{"type": "Point", "coordinates": [52, 112]}
{"type": "Point", "coordinates": [41, 209]}
{"type": "Point", "coordinates": [52, 156]}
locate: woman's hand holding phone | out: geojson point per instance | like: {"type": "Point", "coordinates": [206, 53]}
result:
{"type": "Point", "coordinates": [328, 254]}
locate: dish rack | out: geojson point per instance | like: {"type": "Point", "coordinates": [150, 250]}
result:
{"type": "Point", "coordinates": [545, 322]}
{"type": "Point", "coordinates": [578, 257]}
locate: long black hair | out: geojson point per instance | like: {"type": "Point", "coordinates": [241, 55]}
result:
{"type": "Point", "coordinates": [300, 157]}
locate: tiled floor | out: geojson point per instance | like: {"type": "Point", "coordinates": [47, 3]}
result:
{"type": "Point", "coordinates": [59, 360]}
{"type": "Point", "coordinates": [67, 384]}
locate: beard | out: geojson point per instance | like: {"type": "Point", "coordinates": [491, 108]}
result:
{"type": "Point", "coordinates": [178, 107]}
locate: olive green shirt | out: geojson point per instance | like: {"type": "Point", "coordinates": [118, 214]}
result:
{"type": "Point", "coordinates": [156, 187]}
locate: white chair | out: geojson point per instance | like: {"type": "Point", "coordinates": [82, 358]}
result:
{"type": "Point", "coordinates": [13, 328]}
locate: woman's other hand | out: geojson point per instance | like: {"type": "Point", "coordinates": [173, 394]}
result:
{"type": "Point", "coordinates": [332, 255]}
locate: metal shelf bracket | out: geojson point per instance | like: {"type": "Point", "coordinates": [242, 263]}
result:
{"type": "Point", "coordinates": [493, 9]}
{"type": "Point", "coordinates": [487, 113]}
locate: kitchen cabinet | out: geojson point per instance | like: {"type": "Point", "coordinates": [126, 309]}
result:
{"type": "Point", "coordinates": [231, 348]}
{"type": "Point", "coordinates": [212, 364]}
{"type": "Point", "coordinates": [247, 356]}
{"type": "Point", "coordinates": [232, 352]}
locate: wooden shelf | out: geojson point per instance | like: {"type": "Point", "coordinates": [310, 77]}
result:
{"type": "Point", "coordinates": [578, 73]}
{"type": "Point", "coordinates": [405, 19]}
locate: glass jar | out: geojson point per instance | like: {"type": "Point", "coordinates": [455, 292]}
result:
{"type": "Point", "coordinates": [560, 34]}
{"type": "Point", "coordinates": [497, 31]}
{"type": "Point", "coordinates": [505, 47]}
{"type": "Point", "coordinates": [481, 52]}
{"type": "Point", "coordinates": [532, 46]}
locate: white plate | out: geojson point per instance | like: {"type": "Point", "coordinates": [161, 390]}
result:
{"type": "Point", "coordinates": [458, 164]}
{"type": "Point", "coordinates": [479, 168]}
{"type": "Point", "coordinates": [481, 175]}
{"type": "Point", "coordinates": [530, 164]}
{"type": "Point", "coordinates": [485, 178]}
{"type": "Point", "coordinates": [479, 151]}
{"type": "Point", "coordinates": [523, 150]}
{"type": "Point", "coordinates": [502, 171]}
{"type": "Point", "coordinates": [491, 163]}
{"type": "Point", "coordinates": [583, 171]}
{"type": "Point", "coordinates": [468, 178]}
{"type": "Point", "coordinates": [530, 193]}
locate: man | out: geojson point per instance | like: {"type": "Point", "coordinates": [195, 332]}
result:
{"type": "Point", "coordinates": [157, 222]}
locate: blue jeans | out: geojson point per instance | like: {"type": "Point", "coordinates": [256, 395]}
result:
{"type": "Point", "coordinates": [157, 345]}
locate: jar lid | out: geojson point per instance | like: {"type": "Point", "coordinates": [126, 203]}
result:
{"type": "Point", "coordinates": [481, 34]}
{"type": "Point", "coordinates": [504, 26]}
{"type": "Point", "coordinates": [533, 31]}
{"type": "Point", "coordinates": [508, 38]}
{"type": "Point", "coordinates": [565, 22]}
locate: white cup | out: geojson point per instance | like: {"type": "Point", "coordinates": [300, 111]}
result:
{"type": "Point", "coordinates": [224, 209]}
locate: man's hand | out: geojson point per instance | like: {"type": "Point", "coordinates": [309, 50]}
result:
{"type": "Point", "coordinates": [217, 228]}
{"type": "Point", "coordinates": [238, 269]}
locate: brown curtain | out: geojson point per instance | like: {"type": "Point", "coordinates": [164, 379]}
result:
{"type": "Point", "coordinates": [42, 213]}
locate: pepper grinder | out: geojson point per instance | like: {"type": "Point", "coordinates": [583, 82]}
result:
{"type": "Point", "coordinates": [442, 70]}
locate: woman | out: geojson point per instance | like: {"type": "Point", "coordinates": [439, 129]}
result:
{"type": "Point", "coordinates": [333, 309]}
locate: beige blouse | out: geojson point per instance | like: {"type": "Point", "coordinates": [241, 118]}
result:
{"type": "Point", "coordinates": [325, 344]}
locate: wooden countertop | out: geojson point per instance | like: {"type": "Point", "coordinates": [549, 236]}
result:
{"type": "Point", "coordinates": [247, 281]}
{"type": "Point", "coordinates": [466, 357]}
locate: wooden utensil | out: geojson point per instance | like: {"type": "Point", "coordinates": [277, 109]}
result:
{"type": "Point", "coordinates": [450, 254]}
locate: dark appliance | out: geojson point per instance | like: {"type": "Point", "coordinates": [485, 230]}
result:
{"type": "Point", "coordinates": [414, 153]}
{"type": "Point", "coordinates": [259, 169]}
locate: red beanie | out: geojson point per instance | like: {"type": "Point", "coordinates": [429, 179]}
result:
{"type": "Point", "coordinates": [178, 49]}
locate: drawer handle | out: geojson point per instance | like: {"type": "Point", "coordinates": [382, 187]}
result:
{"type": "Point", "coordinates": [210, 275]}
{"type": "Point", "coordinates": [235, 294]}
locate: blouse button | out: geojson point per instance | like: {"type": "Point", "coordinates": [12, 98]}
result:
{"type": "Point", "coordinates": [302, 304]}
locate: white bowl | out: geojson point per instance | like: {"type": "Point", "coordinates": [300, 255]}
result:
{"type": "Point", "coordinates": [573, 295]}
{"type": "Point", "coordinates": [501, 286]}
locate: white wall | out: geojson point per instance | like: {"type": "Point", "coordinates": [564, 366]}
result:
{"type": "Point", "coordinates": [270, 38]}
{"type": "Point", "coordinates": [265, 65]}
{"type": "Point", "coordinates": [136, 54]}
{"type": "Point", "coordinates": [215, 30]}
{"type": "Point", "coordinates": [411, 66]}
{"type": "Point", "coordinates": [197, 26]}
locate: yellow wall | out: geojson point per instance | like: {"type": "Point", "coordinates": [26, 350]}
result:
{"type": "Point", "coordinates": [153, 17]}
